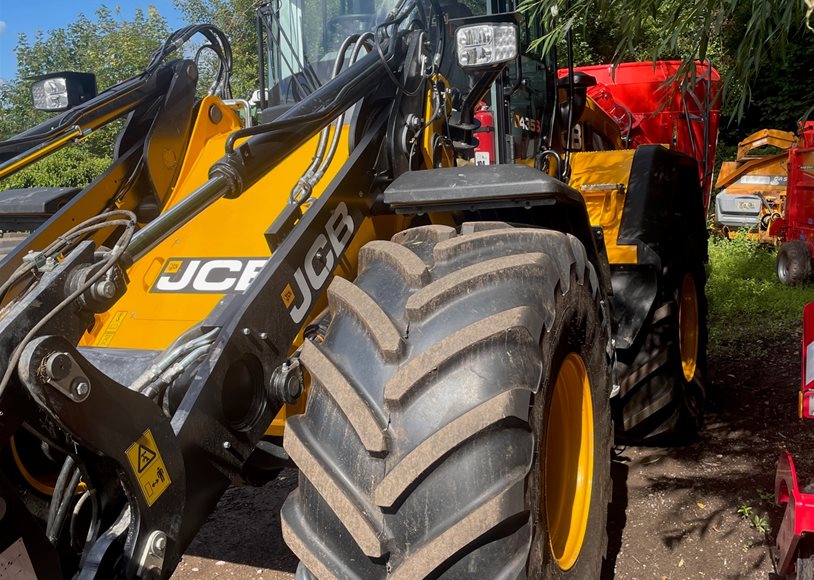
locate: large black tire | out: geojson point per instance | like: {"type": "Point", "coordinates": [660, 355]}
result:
{"type": "Point", "coordinates": [793, 263]}
{"type": "Point", "coordinates": [422, 449]}
{"type": "Point", "coordinates": [662, 392]}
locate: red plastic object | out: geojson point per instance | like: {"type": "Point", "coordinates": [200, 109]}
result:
{"type": "Point", "coordinates": [807, 366]}
{"type": "Point", "coordinates": [485, 150]}
{"type": "Point", "coordinates": [807, 135]}
{"type": "Point", "coordinates": [798, 222]}
{"type": "Point", "coordinates": [650, 112]}
{"type": "Point", "coordinates": [798, 517]}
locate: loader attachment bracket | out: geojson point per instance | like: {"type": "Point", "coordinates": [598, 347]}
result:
{"type": "Point", "coordinates": [114, 423]}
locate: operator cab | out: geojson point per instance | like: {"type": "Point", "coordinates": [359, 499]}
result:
{"type": "Point", "coordinates": [300, 41]}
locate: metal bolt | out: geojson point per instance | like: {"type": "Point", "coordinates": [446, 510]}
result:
{"type": "Point", "coordinates": [192, 72]}
{"type": "Point", "coordinates": [227, 445]}
{"type": "Point", "coordinates": [264, 336]}
{"type": "Point", "coordinates": [215, 114]}
{"type": "Point", "coordinates": [247, 331]}
{"type": "Point", "coordinates": [105, 289]}
{"type": "Point", "coordinates": [160, 544]}
{"type": "Point", "coordinates": [58, 365]}
{"type": "Point", "coordinates": [80, 389]}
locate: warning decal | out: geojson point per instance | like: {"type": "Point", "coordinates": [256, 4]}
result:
{"type": "Point", "coordinates": [148, 466]}
{"type": "Point", "coordinates": [145, 457]}
{"type": "Point", "coordinates": [15, 564]}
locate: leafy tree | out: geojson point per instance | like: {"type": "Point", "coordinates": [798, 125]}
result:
{"type": "Point", "coordinates": [783, 90]}
{"type": "Point", "coordinates": [691, 29]}
{"type": "Point", "coordinates": [237, 19]}
{"type": "Point", "coordinates": [109, 46]}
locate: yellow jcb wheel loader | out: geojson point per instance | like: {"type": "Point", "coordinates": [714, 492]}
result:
{"type": "Point", "coordinates": [433, 343]}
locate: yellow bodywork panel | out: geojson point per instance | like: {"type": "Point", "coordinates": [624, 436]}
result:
{"type": "Point", "coordinates": [434, 155]}
{"type": "Point", "coordinates": [732, 173]}
{"type": "Point", "coordinates": [178, 283]}
{"type": "Point", "coordinates": [602, 178]}
{"type": "Point", "coordinates": [600, 122]}
{"type": "Point", "coordinates": [773, 137]}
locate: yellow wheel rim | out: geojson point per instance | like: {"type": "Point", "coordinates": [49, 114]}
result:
{"type": "Point", "coordinates": [688, 327]}
{"type": "Point", "coordinates": [569, 461]}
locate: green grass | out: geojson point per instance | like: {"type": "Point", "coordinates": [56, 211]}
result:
{"type": "Point", "coordinates": [747, 304]}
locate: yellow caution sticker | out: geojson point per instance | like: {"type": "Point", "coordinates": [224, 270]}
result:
{"type": "Point", "coordinates": [148, 466]}
{"type": "Point", "coordinates": [112, 327]}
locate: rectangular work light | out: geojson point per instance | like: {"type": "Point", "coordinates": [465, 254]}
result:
{"type": "Point", "coordinates": [63, 90]}
{"type": "Point", "coordinates": [485, 45]}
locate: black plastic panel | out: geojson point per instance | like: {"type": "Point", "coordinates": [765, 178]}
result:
{"type": "Point", "coordinates": [474, 187]}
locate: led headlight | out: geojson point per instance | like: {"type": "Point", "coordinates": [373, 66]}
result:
{"type": "Point", "coordinates": [484, 45]}
{"type": "Point", "coordinates": [63, 90]}
{"type": "Point", "coordinates": [50, 94]}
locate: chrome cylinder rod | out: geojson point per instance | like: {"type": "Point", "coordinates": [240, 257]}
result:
{"type": "Point", "coordinates": [168, 222]}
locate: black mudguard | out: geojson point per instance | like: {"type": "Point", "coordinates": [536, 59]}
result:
{"type": "Point", "coordinates": [663, 217]}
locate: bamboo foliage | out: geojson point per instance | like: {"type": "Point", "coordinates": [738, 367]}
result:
{"type": "Point", "coordinates": [685, 28]}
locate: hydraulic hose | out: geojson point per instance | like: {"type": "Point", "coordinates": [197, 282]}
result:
{"type": "Point", "coordinates": [154, 370]}
{"type": "Point", "coordinates": [320, 163]}
{"type": "Point", "coordinates": [271, 143]}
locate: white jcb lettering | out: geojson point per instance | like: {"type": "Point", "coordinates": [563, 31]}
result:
{"type": "Point", "coordinates": [252, 269]}
{"type": "Point", "coordinates": [208, 276]}
{"type": "Point", "coordinates": [165, 282]}
{"type": "Point", "coordinates": [339, 228]}
{"type": "Point", "coordinates": [320, 259]}
{"type": "Point", "coordinates": [211, 276]}
{"type": "Point", "coordinates": [299, 312]}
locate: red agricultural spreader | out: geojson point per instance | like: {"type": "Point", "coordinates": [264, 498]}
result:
{"type": "Point", "coordinates": [798, 520]}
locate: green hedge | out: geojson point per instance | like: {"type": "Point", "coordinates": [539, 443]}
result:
{"type": "Point", "coordinates": [747, 304]}
{"type": "Point", "coordinates": [74, 166]}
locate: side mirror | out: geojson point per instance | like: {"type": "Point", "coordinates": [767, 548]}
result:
{"type": "Point", "coordinates": [63, 90]}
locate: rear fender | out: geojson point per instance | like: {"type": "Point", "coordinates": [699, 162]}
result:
{"type": "Point", "coordinates": [664, 206]}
